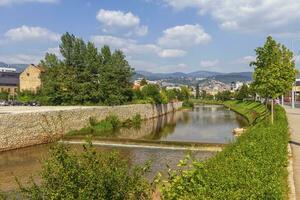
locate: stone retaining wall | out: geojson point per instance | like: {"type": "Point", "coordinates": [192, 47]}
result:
{"type": "Point", "coordinates": [31, 128]}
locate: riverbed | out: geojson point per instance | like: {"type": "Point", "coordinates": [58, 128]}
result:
{"type": "Point", "coordinates": [203, 124]}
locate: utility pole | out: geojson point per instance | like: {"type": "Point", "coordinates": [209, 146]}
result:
{"type": "Point", "coordinates": [293, 97]}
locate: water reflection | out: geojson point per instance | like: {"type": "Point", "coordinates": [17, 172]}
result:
{"type": "Point", "coordinates": [207, 124]}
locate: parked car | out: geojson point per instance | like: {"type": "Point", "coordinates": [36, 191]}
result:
{"type": "Point", "coordinates": [4, 103]}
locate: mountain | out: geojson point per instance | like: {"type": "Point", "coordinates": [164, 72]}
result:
{"type": "Point", "coordinates": [233, 77]}
{"type": "Point", "coordinates": [178, 77]}
{"type": "Point", "coordinates": [203, 74]}
{"type": "Point", "coordinates": [158, 76]}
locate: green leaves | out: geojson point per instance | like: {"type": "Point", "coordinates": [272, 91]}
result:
{"type": "Point", "coordinates": [86, 76]}
{"type": "Point", "coordinates": [274, 69]}
{"type": "Point", "coordinates": [89, 175]}
{"type": "Point", "coordinates": [253, 167]}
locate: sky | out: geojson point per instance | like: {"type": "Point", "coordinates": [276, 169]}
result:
{"type": "Point", "coordinates": [155, 35]}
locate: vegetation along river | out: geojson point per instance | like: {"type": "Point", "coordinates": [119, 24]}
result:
{"type": "Point", "coordinates": [203, 124]}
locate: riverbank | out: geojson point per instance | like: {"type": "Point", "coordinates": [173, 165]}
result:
{"type": "Point", "coordinates": [27, 126]}
{"type": "Point", "coordinates": [253, 167]}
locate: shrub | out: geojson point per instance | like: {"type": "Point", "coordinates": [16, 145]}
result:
{"type": "Point", "coordinates": [187, 104]}
{"type": "Point", "coordinates": [4, 95]}
{"type": "Point", "coordinates": [114, 121]}
{"type": "Point", "coordinates": [254, 167]}
{"type": "Point", "coordinates": [89, 175]}
{"type": "Point", "coordinates": [136, 121]}
{"type": "Point", "coordinates": [152, 91]}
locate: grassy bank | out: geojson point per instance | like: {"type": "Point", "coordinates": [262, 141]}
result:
{"type": "Point", "coordinates": [107, 127]}
{"type": "Point", "coordinates": [254, 167]}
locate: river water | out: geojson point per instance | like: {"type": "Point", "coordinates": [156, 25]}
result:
{"type": "Point", "coordinates": [203, 124]}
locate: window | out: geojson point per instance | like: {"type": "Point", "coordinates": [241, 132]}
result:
{"type": "Point", "coordinates": [27, 74]}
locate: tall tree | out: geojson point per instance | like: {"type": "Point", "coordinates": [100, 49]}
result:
{"type": "Point", "coordinates": [115, 78]}
{"type": "Point", "coordinates": [243, 92]}
{"type": "Point", "coordinates": [197, 91]}
{"type": "Point", "coordinates": [274, 71]}
{"type": "Point", "coordinates": [50, 60]}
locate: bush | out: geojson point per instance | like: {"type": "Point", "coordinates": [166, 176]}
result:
{"type": "Point", "coordinates": [114, 121]}
{"type": "Point", "coordinates": [136, 121]}
{"type": "Point", "coordinates": [89, 175]}
{"type": "Point", "coordinates": [4, 95]}
{"type": "Point", "coordinates": [254, 167]}
{"type": "Point", "coordinates": [188, 104]}
{"type": "Point", "coordinates": [152, 91]}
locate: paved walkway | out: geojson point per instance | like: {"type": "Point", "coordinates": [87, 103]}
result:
{"type": "Point", "coordinates": [294, 123]}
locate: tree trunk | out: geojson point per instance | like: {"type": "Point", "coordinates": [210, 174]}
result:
{"type": "Point", "coordinates": [272, 111]}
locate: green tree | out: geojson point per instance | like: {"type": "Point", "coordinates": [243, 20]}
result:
{"type": "Point", "coordinates": [243, 92]}
{"type": "Point", "coordinates": [197, 91]}
{"type": "Point", "coordinates": [143, 82]}
{"type": "Point", "coordinates": [152, 92]}
{"type": "Point", "coordinates": [115, 85]}
{"type": "Point", "coordinates": [85, 75]}
{"type": "Point", "coordinates": [50, 60]}
{"type": "Point", "coordinates": [274, 71]}
{"type": "Point", "coordinates": [224, 95]}
{"type": "Point", "coordinates": [185, 93]}
{"type": "Point", "coordinates": [4, 95]}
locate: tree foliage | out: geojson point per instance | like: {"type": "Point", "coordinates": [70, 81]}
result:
{"type": "Point", "coordinates": [243, 92]}
{"type": "Point", "coordinates": [89, 175]}
{"type": "Point", "coordinates": [274, 69]}
{"type": "Point", "coordinates": [86, 75]}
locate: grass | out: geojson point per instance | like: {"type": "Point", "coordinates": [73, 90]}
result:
{"type": "Point", "coordinates": [252, 111]}
{"type": "Point", "coordinates": [107, 127]}
{"type": "Point", "coordinates": [254, 167]}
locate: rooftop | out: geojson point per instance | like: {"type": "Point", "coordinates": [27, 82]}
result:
{"type": "Point", "coordinates": [9, 79]}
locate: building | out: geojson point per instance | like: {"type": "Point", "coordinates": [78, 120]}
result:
{"type": "Point", "coordinates": [9, 82]}
{"type": "Point", "coordinates": [30, 78]}
{"type": "Point", "coordinates": [7, 69]}
{"type": "Point", "coordinates": [234, 86]}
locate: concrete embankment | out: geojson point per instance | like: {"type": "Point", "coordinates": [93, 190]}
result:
{"type": "Point", "coordinates": [26, 126]}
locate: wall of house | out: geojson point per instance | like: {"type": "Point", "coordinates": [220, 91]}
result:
{"type": "Point", "coordinates": [26, 128]}
{"type": "Point", "coordinates": [12, 90]}
{"type": "Point", "coordinates": [30, 79]}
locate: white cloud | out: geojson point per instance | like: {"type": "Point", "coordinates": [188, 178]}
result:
{"type": "Point", "coordinates": [154, 67]}
{"type": "Point", "coordinates": [245, 60]}
{"type": "Point", "coordinates": [25, 33]}
{"type": "Point", "coordinates": [132, 47]}
{"type": "Point", "coordinates": [245, 15]}
{"type": "Point", "coordinates": [209, 63]}
{"type": "Point", "coordinates": [10, 2]}
{"type": "Point", "coordinates": [184, 36]}
{"type": "Point", "coordinates": [20, 58]}
{"type": "Point", "coordinates": [115, 20]}
{"type": "Point", "coordinates": [171, 53]}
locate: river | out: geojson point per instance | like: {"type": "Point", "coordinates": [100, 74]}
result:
{"type": "Point", "coordinates": [203, 124]}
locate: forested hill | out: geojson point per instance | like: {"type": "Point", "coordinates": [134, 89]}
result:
{"type": "Point", "coordinates": [194, 76]}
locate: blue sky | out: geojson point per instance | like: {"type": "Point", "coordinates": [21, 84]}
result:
{"type": "Point", "coordinates": [155, 35]}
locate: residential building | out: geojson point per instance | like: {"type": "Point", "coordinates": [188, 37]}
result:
{"type": "Point", "coordinates": [9, 82]}
{"type": "Point", "coordinates": [7, 69]}
{"type": "Point", "coordinates": [234, 86]}
{"type": "Point", "coordinates": [30, 78]}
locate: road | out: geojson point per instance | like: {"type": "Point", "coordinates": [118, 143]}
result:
{"type": "Point", "coordinates": [294, 124]}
